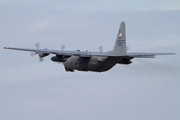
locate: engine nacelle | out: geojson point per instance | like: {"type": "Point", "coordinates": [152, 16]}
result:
{"type": "Point", "coordinates": [125, 61]}
{"type": "Point", "coordinates": [43, 54]}
{"type": "Point", "coordinates": [59, 58]}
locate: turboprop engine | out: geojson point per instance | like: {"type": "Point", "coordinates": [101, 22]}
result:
{"type": "Point", "coordinates": [59, 58]}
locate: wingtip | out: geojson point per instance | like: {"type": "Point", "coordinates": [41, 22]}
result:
{"type": "Point", "coordinates": [173, 53]}
{"type": "Point", "coordinates": [5, 47]}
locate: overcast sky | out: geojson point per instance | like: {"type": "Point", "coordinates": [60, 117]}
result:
{"type": "Point", "coordinates": [147, 89]}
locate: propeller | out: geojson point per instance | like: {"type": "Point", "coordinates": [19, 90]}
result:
{"type": "Point", "coordinates": [37, 45]}
{"type": "Point", "coordinates": [41, 59]}
{"type": "Point", "coordinates": [63, 47]}
{"type": "Point", "coordinates": [101, 49]}
{"type": "Point", "coordinates": [41, 55]}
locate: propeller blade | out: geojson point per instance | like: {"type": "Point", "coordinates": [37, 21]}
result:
{"type": "Point", "coordinates": [39, 53]}
{"type": "Point", "coordinates": [101, 48]}
{"type": "Point", "coordinates": [40, 59]}
{"type": "Point", "coordinates": [33, 54]}
{"type": "Point", "coordinates": [63, 47]}
{"type": "Point", "coordinates": [37, 45]}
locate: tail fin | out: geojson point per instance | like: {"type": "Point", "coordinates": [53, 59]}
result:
{"type": "Point", "coordinates": [120, 44]}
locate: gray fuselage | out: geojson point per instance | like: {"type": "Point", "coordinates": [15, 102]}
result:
{"type": "Point", "coordinates": [94, 63]}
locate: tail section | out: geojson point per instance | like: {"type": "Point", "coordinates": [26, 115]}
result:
{"type": "Point", "coordinates": [120, 44]}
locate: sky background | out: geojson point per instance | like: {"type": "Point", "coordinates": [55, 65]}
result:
{"type": "Point", "coordinates": [144, 90]}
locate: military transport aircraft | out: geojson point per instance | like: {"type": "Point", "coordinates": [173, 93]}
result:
{"type": "Point", "coordinates": [92, 61]}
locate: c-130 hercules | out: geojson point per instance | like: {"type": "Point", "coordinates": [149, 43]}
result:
{"type": "Point", "coordinates": [92, 61]}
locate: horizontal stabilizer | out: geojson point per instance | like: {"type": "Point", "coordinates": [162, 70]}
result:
{"type": "Point", "coordinates": [146, 55]}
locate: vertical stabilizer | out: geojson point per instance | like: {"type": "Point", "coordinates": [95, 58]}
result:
{"type": "Point", "coordinates": [120, 44]}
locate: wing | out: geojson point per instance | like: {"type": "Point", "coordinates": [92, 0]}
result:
{"type": "Point", "coordinates": [65, 53]}
{"type": "Point", "coordinates": [88, 54]}
{"type": "Point", "coordinates": [146, 55]}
